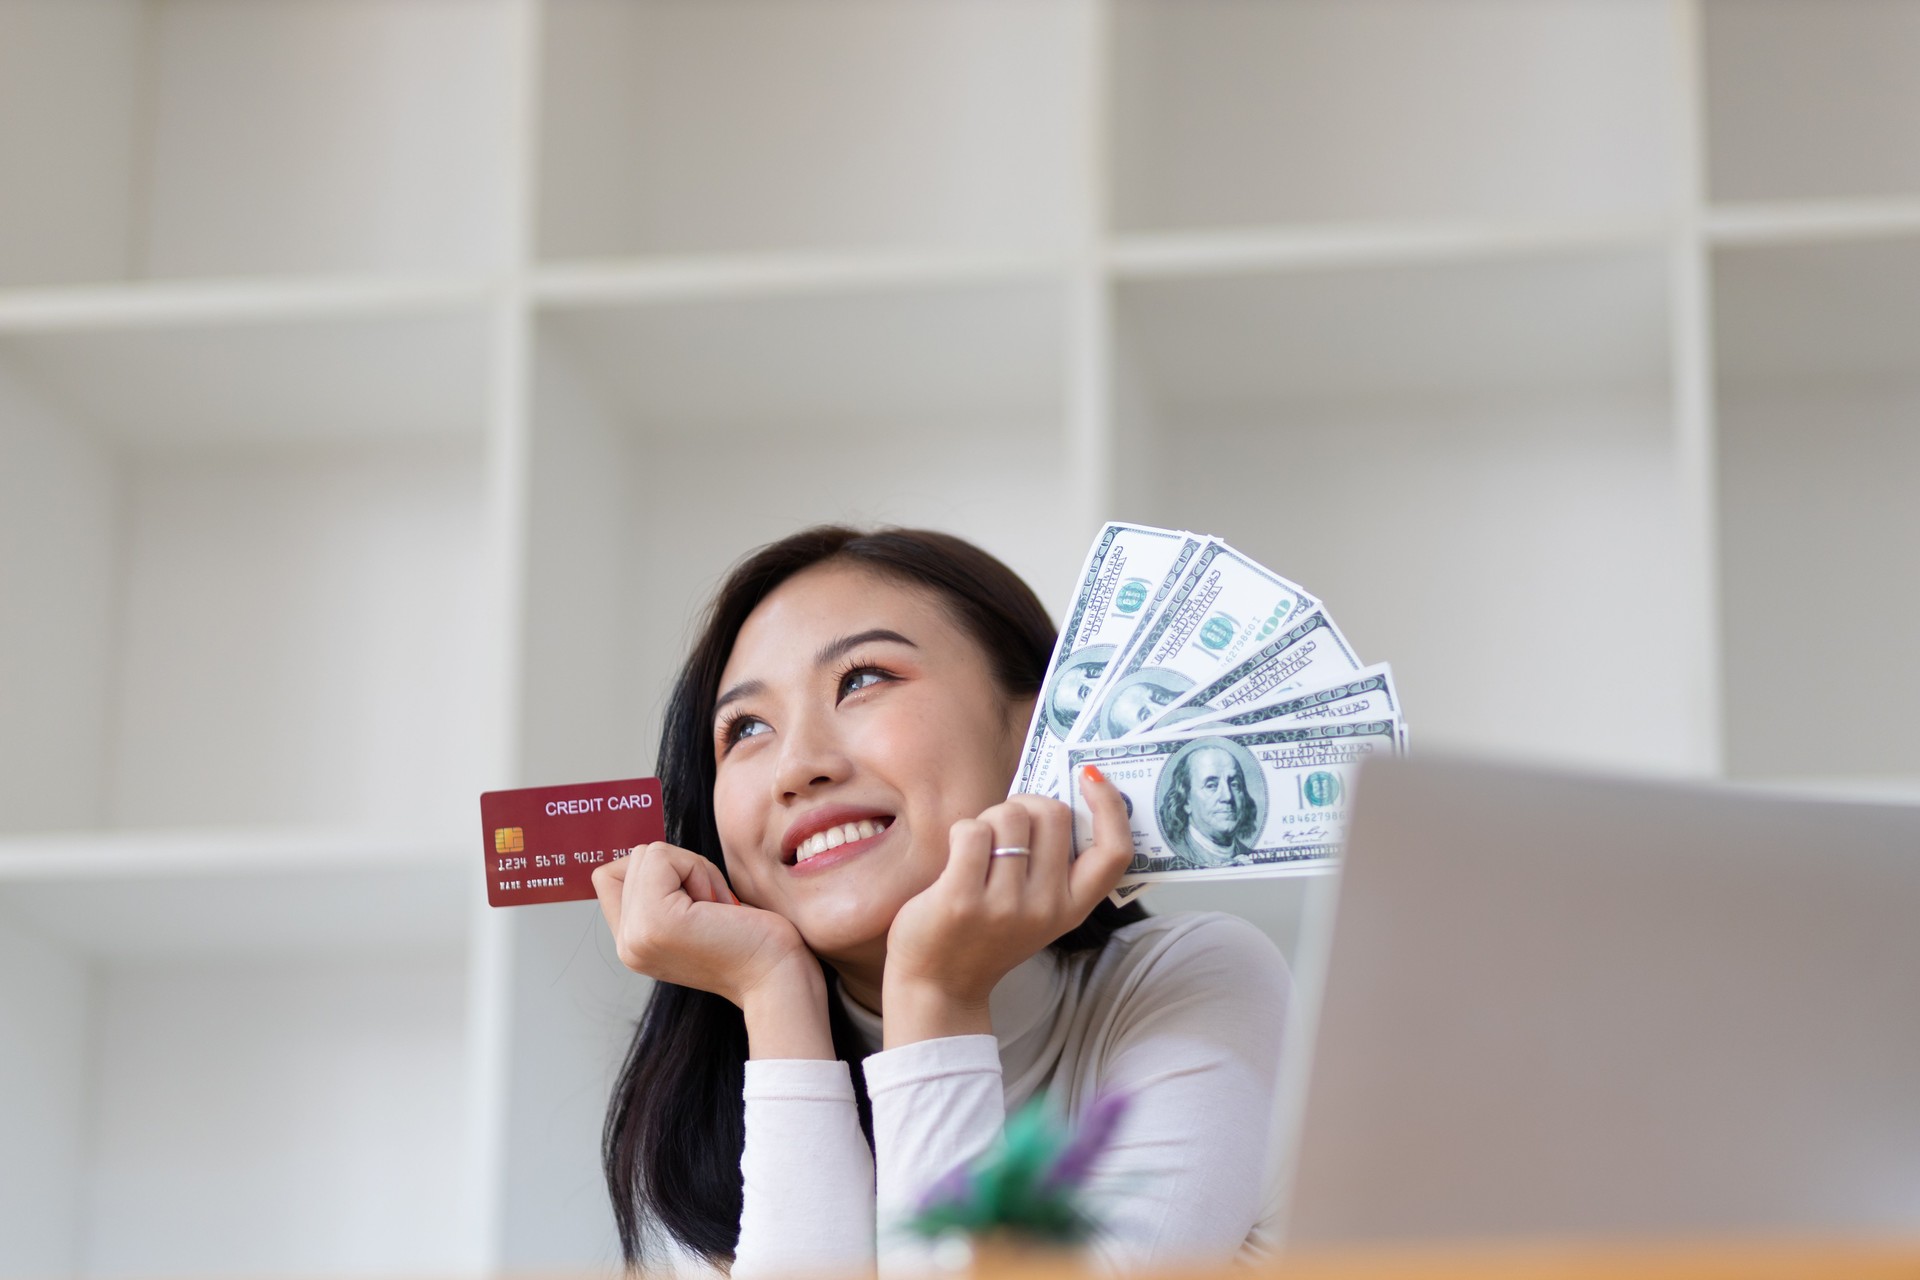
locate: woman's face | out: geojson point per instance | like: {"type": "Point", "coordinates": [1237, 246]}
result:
{"type": "Point", "coordinates": [854, 713]}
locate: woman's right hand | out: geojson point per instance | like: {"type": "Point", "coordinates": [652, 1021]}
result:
{"type": "Point", "coordinates": [674, 918]}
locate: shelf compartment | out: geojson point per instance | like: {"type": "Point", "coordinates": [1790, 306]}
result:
{"type": "Point", "coordinates": [1818, 389]}
{"type": "Point", "coordinates": [1238, 115]}
{"type": "Point", "coordinates": [1472, 464]}
{"type": "Point", "coordinates": [1809, 315]}
{"type": "Point", "coordinates": [672, 128]}
{"type": "Point", "coordinates": [295, 1001]}
{"type": "Point", "coordinates": [257, 554]}
{"type": "Point", "coordinates": [200, 1117]}
{"type": "Point", "coordinates": [912, 358]}
{"type": "Point", "coordinates": [215, 138]}
{"type": "Point", "coordinates": [671, 439]}
{"type": "Point", "coordinates": [1810, 101]}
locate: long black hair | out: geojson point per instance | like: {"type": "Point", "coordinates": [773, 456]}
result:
{"type": "Point", "coordinates": [676, 1123]}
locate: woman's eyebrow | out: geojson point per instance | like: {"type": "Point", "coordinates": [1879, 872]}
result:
{"type": "Point", "coordinates": [835, 648]}
{"type": "Point", "coordinates": [745, 689]}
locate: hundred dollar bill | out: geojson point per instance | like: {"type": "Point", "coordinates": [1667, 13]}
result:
{"type": "Point", "coordinates": [1129, 570]}
{"type": "Point", "coordinates": [1223, 605]}
{"type": "Point", "coordinates": [1249, 801]}
{"type": "Point", "coordinates": [1309, 654]}
{"type": "Point", "coordinates": [1370, 695]}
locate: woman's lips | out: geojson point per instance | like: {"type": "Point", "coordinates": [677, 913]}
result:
{"type": "Point", "coordinates": [838, 854]}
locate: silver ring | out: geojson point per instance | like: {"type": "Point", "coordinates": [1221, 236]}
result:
{"type": "Point", "coordinates": [1012, 851]}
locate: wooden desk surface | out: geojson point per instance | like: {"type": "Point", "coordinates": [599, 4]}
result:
{"type": "Point", "coordinates": [1736, 1260]}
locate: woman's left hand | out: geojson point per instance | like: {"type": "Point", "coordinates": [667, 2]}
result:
{"type": "Point", "coordinates": [950, 944]}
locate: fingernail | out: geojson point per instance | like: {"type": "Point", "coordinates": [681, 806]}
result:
{"type": "Point", "coordinates": [1092, 773]}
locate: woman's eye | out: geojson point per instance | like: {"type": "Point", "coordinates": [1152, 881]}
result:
{"type": "Point", "coordinates": [861, 678]}
{"type": "Point", "coordinates": [744, 727]}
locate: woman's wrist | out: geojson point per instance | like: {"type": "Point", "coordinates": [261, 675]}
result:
{"type": "Point", "coordinates": [786, 1014]}
{"type": "Point", "coordinates": [915, 1010]}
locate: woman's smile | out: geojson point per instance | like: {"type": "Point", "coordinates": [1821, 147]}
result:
{"type": "Point", "coordinates": [830, 829]}
{"type": "Point", "coordinates": [832, 847]}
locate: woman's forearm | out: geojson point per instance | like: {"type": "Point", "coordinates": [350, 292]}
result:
{"type": "Point", "coordinates": [917, 1011]}
{"type": "Point", "coordinates": [806, 1173]}
{"type": "Point", "coordinates": [787, 1015]}
{"type": "Point", "coordinates": [937, 1103]}
{"type": "Point", "coordinates": [806, 1176]}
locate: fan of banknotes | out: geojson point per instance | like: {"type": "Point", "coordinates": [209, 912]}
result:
{"type": "Point", "coordinates": [1219, 697]}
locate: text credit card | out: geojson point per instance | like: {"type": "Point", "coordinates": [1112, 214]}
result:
{"type": "Point", "coordinates": [543, 843]}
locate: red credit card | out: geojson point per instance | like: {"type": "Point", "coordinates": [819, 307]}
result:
{"type": "Point", "coordinates": [543, 843]}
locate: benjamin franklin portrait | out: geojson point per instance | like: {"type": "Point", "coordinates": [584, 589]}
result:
{"type": "Point", "coordinates": [1137, 699]}
{"type": "Point", "coordinates": [1077, 677]}
{"type": "Point", "coordinates": [1210, 802]}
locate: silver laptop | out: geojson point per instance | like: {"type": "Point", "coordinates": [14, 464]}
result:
{"type": "Point", "coordinates": [1568, 1006]}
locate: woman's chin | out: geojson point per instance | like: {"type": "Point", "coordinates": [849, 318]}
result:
{"type": "Point", "coordinates": [848, 912]}
{"type": "Point", "coordinates": [851, 935]}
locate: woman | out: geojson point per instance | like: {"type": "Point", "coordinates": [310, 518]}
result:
{"type": "Point", "coordinates": [859, 934]}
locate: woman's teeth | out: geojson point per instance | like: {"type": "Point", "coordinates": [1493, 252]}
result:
{"type": "Point", "coordinates": [834, 837]}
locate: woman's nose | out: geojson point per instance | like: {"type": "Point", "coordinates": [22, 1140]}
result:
{"type": "Point", "coordinates": [811, 756]}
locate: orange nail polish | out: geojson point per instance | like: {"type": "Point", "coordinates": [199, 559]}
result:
{"type": "Point", "coordinates": [1092, 773]}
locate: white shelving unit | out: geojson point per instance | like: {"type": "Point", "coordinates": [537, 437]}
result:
{"type": "Point", "coordinates": [384, 383]}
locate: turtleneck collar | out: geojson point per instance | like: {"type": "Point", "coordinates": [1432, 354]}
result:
{"type": "Point", "coordinates": [1025, 1007]}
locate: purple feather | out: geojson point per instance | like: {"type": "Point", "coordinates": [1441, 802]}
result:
{"type": "Point", "coordinates": [952, 1188]}
{"type": "Point", "coordinates": [1090, 1139]}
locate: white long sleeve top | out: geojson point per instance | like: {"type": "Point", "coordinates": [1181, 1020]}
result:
{"type": "Point", "coordinates": [1184, 1012]}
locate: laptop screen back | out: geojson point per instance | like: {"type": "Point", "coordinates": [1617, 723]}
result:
{"type": "Point", "coordinates": [1563, 1006]}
